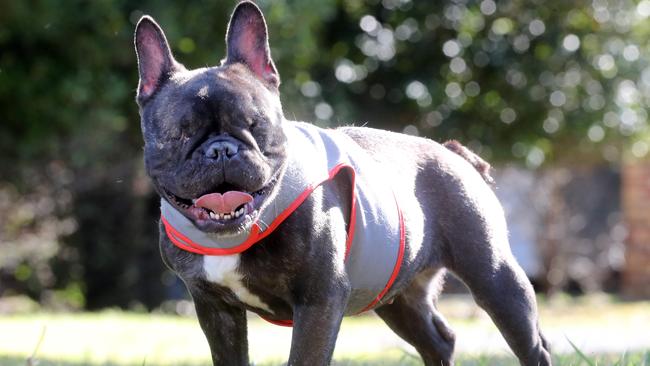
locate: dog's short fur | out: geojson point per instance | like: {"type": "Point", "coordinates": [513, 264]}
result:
{"type": "Point", "coordinates": [453, 219]}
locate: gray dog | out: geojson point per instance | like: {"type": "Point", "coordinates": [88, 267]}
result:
{"type": "Point", "coordinates": [303, 225]}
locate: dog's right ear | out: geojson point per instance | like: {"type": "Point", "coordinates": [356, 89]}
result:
{"type": "Point", "coordinates": [155, 59]}
{"type": "Point", "coordinates": [247, 42]}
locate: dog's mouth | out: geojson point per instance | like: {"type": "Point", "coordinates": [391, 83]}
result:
{"type": "Point", "coordinates": [227, 208]}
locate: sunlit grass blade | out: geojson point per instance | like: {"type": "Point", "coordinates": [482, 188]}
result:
{"type": "Point", "coordinates": [31, 360]}
{"type": "Point", "coordinates": [581, 354]}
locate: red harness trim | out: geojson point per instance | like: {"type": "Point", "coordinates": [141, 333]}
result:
{"type": "Point", "coordinates": [391, 280]}
{"type": "Point", "coordinates": [398, 262]}
{"type": "Point", "coordinates": [282, 323]}
{"type": "Point", "coordinates": [256, 235]}
{"type": "Point", "coordinates": [185, 243]}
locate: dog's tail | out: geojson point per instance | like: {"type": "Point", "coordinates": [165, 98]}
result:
{"type": "Point", "coordinates": [479, 164]}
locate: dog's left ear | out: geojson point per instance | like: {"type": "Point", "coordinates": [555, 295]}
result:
{"type": "Point", "coordinates": [248, 42]}
{"type": "Point", "coordinates": [155, 60]}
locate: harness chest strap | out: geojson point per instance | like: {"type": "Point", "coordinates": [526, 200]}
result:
{"type": "Point", "coordinates": [256, 232]}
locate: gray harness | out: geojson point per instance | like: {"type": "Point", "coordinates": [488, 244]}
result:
{"type": "Point", "coordinates": [375, 245]}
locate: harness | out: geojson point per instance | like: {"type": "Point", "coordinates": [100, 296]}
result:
{"type": "Point", "coordinates": [376, 235]}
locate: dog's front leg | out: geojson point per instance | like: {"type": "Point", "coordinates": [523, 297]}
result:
{"type": "Point", "coordinates": [225, 328]}
{"type": "Point", "coordinates": [316, 323]}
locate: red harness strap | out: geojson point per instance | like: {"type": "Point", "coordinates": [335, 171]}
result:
{"type": "Point", "coordinates": [256, 234]}
{"type": "Point", "coordinates": [185, 243]}
{"type": "Point", "coordinates": [398, 262]}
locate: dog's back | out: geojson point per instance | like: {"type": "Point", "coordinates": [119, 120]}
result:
{"type": "Point", "coordinates": [443, 189]}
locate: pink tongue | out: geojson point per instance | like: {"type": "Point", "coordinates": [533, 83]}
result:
{"type": "Point", "coordinates": [223, 204]}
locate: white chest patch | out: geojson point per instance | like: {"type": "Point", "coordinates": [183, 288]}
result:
{"type": "Point", "coordinates": [222, 270]}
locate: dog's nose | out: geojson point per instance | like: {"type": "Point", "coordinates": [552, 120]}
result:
{"type": "Point", "coordinates": [221, 149]}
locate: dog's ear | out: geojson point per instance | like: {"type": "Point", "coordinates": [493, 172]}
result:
{"type": "Point", "coordinates": [247, 41]}
{"type": "Point", "coordinates": [155, 59]}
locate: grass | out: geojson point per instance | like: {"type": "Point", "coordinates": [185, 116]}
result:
{"type": "Point", "coordinates": [392, 357]}
{"type": "Point", "coordinates": [581, 332]}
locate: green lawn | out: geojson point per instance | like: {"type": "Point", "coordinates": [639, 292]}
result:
{"type": "Point", "coordinates": [122, 338]}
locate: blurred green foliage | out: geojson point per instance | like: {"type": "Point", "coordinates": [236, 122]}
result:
{"type": "Point", "coordinates": [530, 81]}
{"type": "Point", "coordinates": [533, 81]}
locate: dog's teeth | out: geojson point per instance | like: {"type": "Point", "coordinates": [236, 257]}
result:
{"type": "Point", "coordinates": [221, 216]}
{"type": "Point", "coordinates": [213, 216]}
{"type": "Point", "coordinates": [237, 213]}
{"type": "Point", "coordinates": [226, 217]}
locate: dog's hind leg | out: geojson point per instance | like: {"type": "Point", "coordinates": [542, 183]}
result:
{"type": "Point", "coordinates": [474, 238]}
{"type": "Point", "coordinates": [412, 316]}
{"type": "Point", "coordinates": [481, 257]}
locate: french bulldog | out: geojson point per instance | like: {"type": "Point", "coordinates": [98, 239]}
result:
{"type": "Point", "coordinates": [304, 225]}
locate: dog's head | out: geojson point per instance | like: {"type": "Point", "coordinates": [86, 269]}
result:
{"type": "Point", "coordinates": [214, 144]}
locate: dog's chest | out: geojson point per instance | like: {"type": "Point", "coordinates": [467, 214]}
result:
{"type": "Point", "coordinates": [223, 270]}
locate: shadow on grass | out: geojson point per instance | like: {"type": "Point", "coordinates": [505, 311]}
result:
{"type": "Point", "coordinates": [407, 359]}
